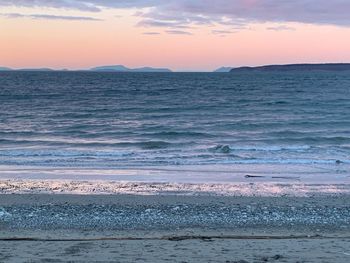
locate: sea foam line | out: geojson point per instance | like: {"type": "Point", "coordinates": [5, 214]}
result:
{"type": "Point", "coordinates": [185, 189]}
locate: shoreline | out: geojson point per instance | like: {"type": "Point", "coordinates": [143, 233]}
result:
{"type": "Point", "coordinates": [253, 187]}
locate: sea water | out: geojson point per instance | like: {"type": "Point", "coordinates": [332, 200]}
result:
{"type": "Point", "coordinates": [208, 127]}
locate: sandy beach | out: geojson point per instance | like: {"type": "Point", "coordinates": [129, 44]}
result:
{"type": "Point", "coordinates": [214, 250]}
{"type": "Point", "coordinates": [173, 228]}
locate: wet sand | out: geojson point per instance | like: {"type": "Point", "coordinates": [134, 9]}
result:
{"type": "Point", "coordinates": [173, 228]}
{"type": "Point", "coordinates": [221, 250]}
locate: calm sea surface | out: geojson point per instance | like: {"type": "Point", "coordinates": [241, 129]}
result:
{"type": "Point", "coordinates": [287, 122]}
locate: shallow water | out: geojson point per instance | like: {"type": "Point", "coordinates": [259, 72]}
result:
{"type": "Point", "coordinates": [271, 123]}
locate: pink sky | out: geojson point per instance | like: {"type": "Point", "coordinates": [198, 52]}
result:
{"type": "Point", "coordinates": [248, 33]}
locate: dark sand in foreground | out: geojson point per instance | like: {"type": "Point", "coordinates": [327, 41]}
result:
{"type": "Point", "coordinates": [125, 228]}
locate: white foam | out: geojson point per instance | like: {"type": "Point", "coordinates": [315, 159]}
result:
{"type": "Point", "coordinates": [271, 148]}
{"type": "Point", "coordinates": [135, 188]}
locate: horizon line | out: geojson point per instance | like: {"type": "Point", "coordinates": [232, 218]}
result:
{"type": "Point", "coordinates": [91, 69]}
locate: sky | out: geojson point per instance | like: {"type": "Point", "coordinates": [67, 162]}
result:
{"type": "Point", "coordinates": [183, 35]}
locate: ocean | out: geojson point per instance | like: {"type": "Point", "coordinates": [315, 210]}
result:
{"type": "Point", "coordinates": [176, 127]}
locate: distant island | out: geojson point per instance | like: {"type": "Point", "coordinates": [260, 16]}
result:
{"type": "Point", "coordinates": [266, 68]}
{"type": "Point", "coordinates": [4, 69]}
{"type": "Point", "coordinates": [35, 69]}
{"type": "Point", "coordinates": [116, 68]}
{"type": "Point", "coordinates": [223, 69]}
{"type": "Point", "coordinates": [28, 69]}
{"type": "Point", "coordinates": [296, 67]}
{"type": "Point", "coordinates": [121, 68]}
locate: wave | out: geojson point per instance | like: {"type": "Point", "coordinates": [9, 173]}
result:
{"type": "Point", "coordinates": [85, 143]}
{"type": "Point", "coordinates": [279, 102]}
{"type": "Point", "coordinates": [286, 161]}
{"type": "Point", "coordinates": [229, 149]}
{"type": "Point", "coordinates": [221, 149]}
{"type": "Point", "coordinates": [285, 142]}
{"type": "Point", "coordinates": [272, 148]}
{"type": "Point", "coordinates": [61, 153]}
{"type": "Point", "coordinates": [174, 134]}
{"type": "Point", "coordinates": [100, 163]}
{"type": "Point", "coordinates": [150, 145]}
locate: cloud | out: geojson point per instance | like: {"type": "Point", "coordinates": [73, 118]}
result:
{"type": "Point", "coordinates": [178, 32]}
{"type": "Point", "coordinates": [67, 4]}
{"type": "Point", "coordinates": [176, 20]}
{"type": "Point", "coordinates": [83, 5]}
{"type": "Point", "coordinates": [50, 17]}
{"type": "Point", "coordinates": [206, 12]}
{"type": "Point", "coordinates": [151, 33]}
{"type": "Point", "coordinates": [160, 23]}
{"type": "Point", "coordinates": [221, 32]}
{"type": "Point", "coordinates": [281, 28]}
